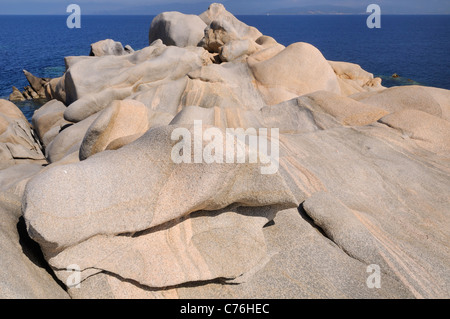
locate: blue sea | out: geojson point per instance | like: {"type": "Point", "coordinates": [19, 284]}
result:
{"type": "Point", "coordinates": [415, 47]}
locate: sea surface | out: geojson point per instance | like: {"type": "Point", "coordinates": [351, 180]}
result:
{"type": "Point", "coordinates": [415, 47]}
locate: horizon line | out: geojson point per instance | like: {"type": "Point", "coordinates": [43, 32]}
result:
{"type": "Point", "coordinates": [245, 14]}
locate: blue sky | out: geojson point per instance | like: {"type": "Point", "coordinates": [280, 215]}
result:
{"type": "Point", "coordinates": [197, 6]}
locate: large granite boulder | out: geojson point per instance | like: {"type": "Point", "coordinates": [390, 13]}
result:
{"type": "Point", "coordinates": [304, 175]}
{"type": "Point", "coordinates": [109, 47]}
{"type": "Point", "coordinates": [223, 27]}
{"type": "Point", "coordinates": [429, 100]}
{"type": "Point", "coordinates": [428, 131]}
{"type": "Point", "coordinates": [48, 121]}
{"type": "Point", "coordinates": [297, 70]}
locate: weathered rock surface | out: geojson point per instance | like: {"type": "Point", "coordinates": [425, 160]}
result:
{"type": "Point", "coordinates": [92, 84]}
{"type": "Point", "coordinates": [428, 131]}
{"type": "Point", "coordinates": [108, 47]}
{"type": "Point", "coordinates": [302, 263]}
{"type": "Point", "coordinates": [18, 143]}
{"type": "Point", "coordinates": [223, 27]}
{"type": "Point", "coordinates": [24, 273]}
{"type": "Point", "coordinates": [297, 70]}
{"type": "Point", "coordinates": [237, 49]}
{"type": "Point", "coordinates": [156, 167]}
{"type": "Point", "coordinates": [36, 89]}
{"type": "Point", "coordinates": [429, 100]}
{"type": "Point", "coordinates": [175, 28]}
{"type": "Point", "coordinates": [48, 120]}
{"type": "Point", "coordinates": [55, 89]}
{"type": "Point", "coordinates": [122, 121]}
{"type": "Point", "coordinates": [16, 95]}
{"type": "Point", "coordinates": [206, 246]}
{"type": "Point", "coordinates": [362, 174]}
{"type": "Point", "coordinates": [345, 110]}
{"type": "Point", "coordinates": [360, 225]}
{"type": "Point", "coordinates": [68, 140]}
{"type": "Point", "coordinates": [353, 79]}
{"type": "Point", "coordinates": [37, 84]}
{"type": "Point", "coordinates": [226, 86]}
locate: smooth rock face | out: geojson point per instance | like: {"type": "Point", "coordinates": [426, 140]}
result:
{"type": "Point", "coordinates": [363, 228]}
{"type": "Point", "coordinates": [223, 27]}
{"type": "Point", "coordinates": [384, 200]}
{"type": "Point", "coordinates": [236, 49]}
{"type": "Point", "coordinates": [92, 84]}
{"type": "Point", "coordinates": [362, 176]}
{"type": "Point", "coordinates": [225, 86]}
{"type": "Point", "coordinates": [37, 84]}
{"type": "Point", "coordinates": [175, 28]}
{"type": "Point", "coordinates": [48, 120]}
{"type": "Point", "coordinates": [9, 111]}
{"type": "Point", "coordinates": [302, 263]}
{"type": "Point", "coordinates": [163, 98]}
{"type": "Point", "coordinates": [297, 70]}
{"type": "Point", "coordinates": [434, 102]}
{"type": "Point", "coordinates": [55, 89]}
{"type": "Point", "coordinates": [23, 272]}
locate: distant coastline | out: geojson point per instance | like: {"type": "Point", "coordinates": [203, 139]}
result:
{"type": "Point", "coordinates": [389, 50]}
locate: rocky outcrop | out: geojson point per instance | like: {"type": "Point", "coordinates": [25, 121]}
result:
{"type": "Point", "coordinates": [353, 79]}
{"type": "Point", "coordinates": [68, 140]}
{"type": "Point", "coordinates": [16, 95]}
{"type": "Point", "coordinates": [36, 89]}
{"type": "Point", "coordinates": [142, 202]}
{"type": "Point", "coordinates": [109, 47]}
{"type": "Point", "coordinates": [429, 100]}
{"type": "Point", "coordinates": [18, 143]}
{"type": "Point", "coordinates": [37, 84]}
{"type": "Point", "coordinates": [118, 125]}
